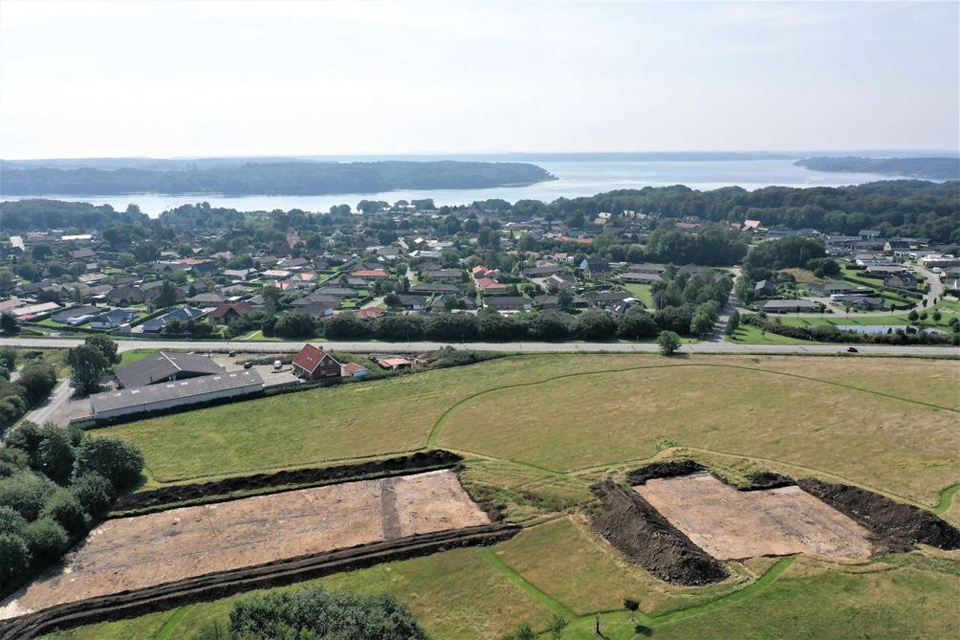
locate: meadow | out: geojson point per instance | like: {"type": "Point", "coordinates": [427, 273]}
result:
{"type": "Point", "coordinates": [538, 431]}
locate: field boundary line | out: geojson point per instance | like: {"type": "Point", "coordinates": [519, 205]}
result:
{"type": "Point", "coordinates": [540, 596]}
{"type": "Point", "coordinates": [170, 624]}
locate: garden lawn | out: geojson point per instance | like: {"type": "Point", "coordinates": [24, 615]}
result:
{"type": "Point", "coordinates": [641, 291]}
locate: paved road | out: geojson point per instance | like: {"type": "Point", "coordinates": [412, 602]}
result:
{"type": "Point", "coordinates": [512, 347]}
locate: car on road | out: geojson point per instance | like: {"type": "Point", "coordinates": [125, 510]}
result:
{"type": "Point", "coordinates": [852, 350]}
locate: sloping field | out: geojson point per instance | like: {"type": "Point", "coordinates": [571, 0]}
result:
{"type": "Point", "coordinates": [398, 414]}
{"type": "Point", "coordinates": [133, 553]}
{"type": "Point", "coordinates": [730, 524]}
{"type": "Point", "coordinates": [896, 444]}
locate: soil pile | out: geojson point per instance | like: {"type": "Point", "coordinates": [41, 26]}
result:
{"type": "Point", "coordinates": [768, 480]}
{"type": "Point", "coordinates": [638, 531]}
{"type": "Point", "coordinates": [414, 463]}
{"type": "Point", "coordinates": [900, 527]}
{"type": "Point", "coordinates": [669, 469]}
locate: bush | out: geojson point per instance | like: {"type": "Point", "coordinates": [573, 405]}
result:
{"type": "Point", "coordinates": [46, 540]}
{"type": "Point", "coordinates": [669, 342]}
{"type": "Point", "coordinates": [8, 358]}
{"type": "Point", "coordinates": [27, 438]}
{"type": "Point", "coordinates": [57, 455]}
{"type": "Point", "coordinates": [541, 327]}
{"type": "Point", "coordinates": [400, 328]}
{"type": "Point", "coordinates": [594, 325]}
{"type": "Point", "coordinates": [317, 613]}
{"type": "Point", "coordinates": [346, 325]}
{"type": "Point", "coordinates": [37, 380]}
{"type": "Point", "coordinates": [636, 324]}
{"type": "Point", "coordinates": [117, 461]}
{"type": "Point", "coordinates": [25, 493]}
{"type": "Point", "coordinates": [496, 326]}
{"type": "Point", "coordinates": [94, 492]}
{"type": "Point", "coordinates": [11, 522]}
{"type": "Point", "coordinates": [675, 319]}
{"type": "Point", "coordinates": [12, 409]}
{"type": "Point", "coordinates": [452, 326]}
{"type": "Point", "coordinates": [295, 324]}
{"type": "Point", "coordinates": [14, 560]}
{"type": "Point", "coordinates": [64, 509]}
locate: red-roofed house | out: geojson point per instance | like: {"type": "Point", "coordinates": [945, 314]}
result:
{"type": "Point", "coordinates": [369, 312]}
{"type": "Point", "coordinates": [313, 363]}
{"type": "Point", "coordinates": [366, 273]}
{"type": "Point", "coordinates": [491, 287]}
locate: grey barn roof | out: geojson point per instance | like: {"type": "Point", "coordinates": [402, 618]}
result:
{"type": "Point", "coordinates": [161, 366]}
{"type": "Point", "coordinates": [179, 390]}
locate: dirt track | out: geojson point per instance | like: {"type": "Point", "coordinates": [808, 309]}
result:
{"type": "Point", "coordinates": [222, 584]}
{"type": "Point", "coordinates": [143, 551]}
{"type": "Point", "coordinates": [730, 524]}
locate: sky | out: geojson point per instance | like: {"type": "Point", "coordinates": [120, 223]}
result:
{"type": "Point", "coordinates": [235, 78]}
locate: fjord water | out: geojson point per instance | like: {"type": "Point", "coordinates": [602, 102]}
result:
{"type": "Point", "coordinates": [574, 179]}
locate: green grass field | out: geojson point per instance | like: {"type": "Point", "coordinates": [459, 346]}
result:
{"type": "Point", "coordinates": [537, 431]}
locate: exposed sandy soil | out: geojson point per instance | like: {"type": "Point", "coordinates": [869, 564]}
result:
{"type": "Point", "coordinates": [730, 524]}
{"type": "Point", "coordinates": [138, 552]}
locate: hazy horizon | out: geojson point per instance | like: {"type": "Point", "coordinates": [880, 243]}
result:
{"type": "Point", "coordinates": [210, 79]}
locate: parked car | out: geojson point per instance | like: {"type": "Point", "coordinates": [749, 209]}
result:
{"type": "Point", "coordinates": [277, 365]}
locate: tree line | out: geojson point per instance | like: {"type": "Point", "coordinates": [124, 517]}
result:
{"type": "Point", "coordinates": [280, 178]}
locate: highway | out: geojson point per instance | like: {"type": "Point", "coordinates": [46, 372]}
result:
{"type": "Point", "coordinates": [719, 347]}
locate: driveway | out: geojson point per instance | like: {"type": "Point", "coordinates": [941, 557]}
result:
{"type": "Point", "coordinates": [60, 407]}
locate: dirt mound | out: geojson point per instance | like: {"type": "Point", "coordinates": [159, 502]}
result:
{"type": "Point", "coordinates": [900, 527]}
{"type": "Point", "coordinates": [131, 604]}
{"type": "Point", "coordinates": [667, 469]}
{"type": "Point", "coordinates": [638, 531]}
{"type": "Point", "coordinates": [413, 463]}
{"type": "Point", "coordinates": [767, 480]}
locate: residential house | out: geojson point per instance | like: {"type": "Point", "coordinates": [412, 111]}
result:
{"type": "Point", "coordinates": [124, 295]}
{"type": "Point", "coordinates": [240, 274]}
{"type": "Point", "coordinates": [491, 287]}
{"type": "Point", "coordinates": [434, 287]}
{"type": "Point", "coordinates": [765, 288]}
{"type": "Point", "coordinates": [791, 306]}
{"type": "Point", "coordinates": [313, 363]}
{"type": "Point", "coordinates": [226, 313]}
{"type": "Point", "coordinates": [114, 319]}
{"type": "Point", "coordinates": [594, 266]}
{"type": "Point", "coordinates": [209, 299]}
{"type": "Point", "coordinates": [156, 325]}
{"type": "Point", "coordinates": [901, 281]}
{"type": "Point", "coordinates": [509, 303]}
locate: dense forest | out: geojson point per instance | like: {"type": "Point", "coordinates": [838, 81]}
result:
{"type": "Point", "coordinates": [286, 178]}
{"type": "Point", "coordinates": [18, 216]}
{"type": "Point", "coordinates": [910, 208]}
{"type": "Point", "coordinates": [926, 168]}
